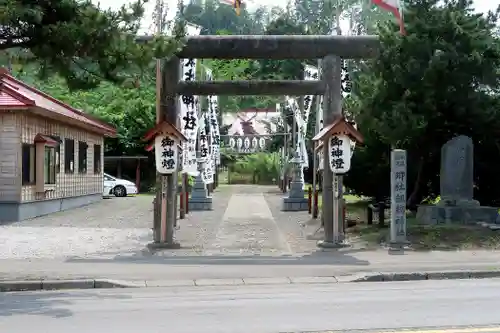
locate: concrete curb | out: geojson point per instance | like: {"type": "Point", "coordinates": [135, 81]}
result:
{"type": "Point", "coordinates": [33, 285]}
{"type": "Point", "coordinates": [419, 276]}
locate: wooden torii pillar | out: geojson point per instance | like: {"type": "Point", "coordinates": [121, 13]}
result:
{"type": "Point", "coordinates": [331, 49]}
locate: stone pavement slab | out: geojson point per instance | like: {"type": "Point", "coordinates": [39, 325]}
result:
{"type": "Point", "coordinates": [248, 227]}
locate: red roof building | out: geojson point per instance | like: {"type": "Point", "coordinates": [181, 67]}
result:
{"type": "Point", "coordinates": [51, 154]}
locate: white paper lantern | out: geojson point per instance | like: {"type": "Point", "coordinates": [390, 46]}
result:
{"type": "Point", "coordinates": [262, 143]}
{"type": "Point", "coordinates": [255, 143]}
{"type": "Point", "coordinates": [246, 143]}
{"type": "Point", "coordinates": [166, 154]}
{"type": "Point", "coordinates": [339, 147]}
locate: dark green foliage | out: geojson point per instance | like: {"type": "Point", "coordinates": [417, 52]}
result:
{"type": "Point", "coordinates": [83, 43]}
{"type": "Point", "coordinates": [439, 81]}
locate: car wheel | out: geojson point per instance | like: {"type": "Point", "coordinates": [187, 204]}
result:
{"type": "Point", "coordinates": [120, 191]}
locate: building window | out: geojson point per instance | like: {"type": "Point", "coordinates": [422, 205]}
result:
{"type": "Point", "coordinates": [97, 158]}
{"type": "Point", "coordinates": [82, 157]}
{"type": "Point", "coordinates": [49, 165]}
{"type": "Point", "coordinates": [58, 153]}
{"type": "Point", "coordinates": [28, 164]}
{"type": "Point", "coordinates": [69, 156]}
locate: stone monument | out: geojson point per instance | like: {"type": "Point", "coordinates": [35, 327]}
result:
{"type": "Point", "coordinates": [457, 172]}
{"type": "Point", "coordinates": [398, 199]}
{"type": "Point", "coordinates": [200, 200]}
{"type": "Point", "coordinates": [456, 203]}
{"type": "Point", "coordinates": [296, 200]}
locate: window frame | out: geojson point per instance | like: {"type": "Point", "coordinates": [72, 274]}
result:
{"type": "Point", "coordinates": [31, 164]}
{"type": "Point", "coordinates": [82, 157]}
{"type": "Point", "coordinates": [97, 158]}
{"type": "Point", "coordinates": [69, 156]}
{"type": "Point", "coordinates": [47, 167]}
{"type": "Point", "coordinates": [58, 152]}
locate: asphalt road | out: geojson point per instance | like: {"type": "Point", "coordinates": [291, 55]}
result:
{"type": "Point", "coordinates": [395, 306]}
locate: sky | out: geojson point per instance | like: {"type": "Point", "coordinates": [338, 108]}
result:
{"type": "Point", "coordinates": [480, 6]}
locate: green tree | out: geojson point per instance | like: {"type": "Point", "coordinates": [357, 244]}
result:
{"type": "Point", "coordinates": [282, 69]}
{"type": "Point", "coordinates": [78, 40]}
{"type": "Point", "coordinates": [130, 110]}
{"type": "Point", "coordinates": [439, 81]}
{"type": "Point", "coordinates": [214, 17]}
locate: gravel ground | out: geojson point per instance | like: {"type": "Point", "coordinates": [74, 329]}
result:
{"type": "Point", "coordinates": [199, 228]}
{"type": "Point", "coordinates": [128, 212]}
{"type": "Point", "coordinates": [106, 228]}
{"type": "Point", "coordinates": [70, 242]}
{"type": "Point", "coordinates": [245, 220]}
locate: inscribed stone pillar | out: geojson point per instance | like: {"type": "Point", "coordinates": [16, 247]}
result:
{"type": "Point", "coordinates": [398, 198]}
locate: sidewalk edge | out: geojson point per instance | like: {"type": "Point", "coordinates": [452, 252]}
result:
{"type": "Point", "coordinates": [43, 284]}
{"type": "Point", "coordinates": [418, 276]}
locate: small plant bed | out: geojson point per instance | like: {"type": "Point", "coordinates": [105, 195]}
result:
{"type": "Point", "coordinates": [428, 237]}
{"type": "Point", "coordinates": [356, 202]}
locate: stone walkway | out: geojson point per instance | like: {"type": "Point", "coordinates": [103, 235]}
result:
{"type": "Point", "coordinates": [245, 221]}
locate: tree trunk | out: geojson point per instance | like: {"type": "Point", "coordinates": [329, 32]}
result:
{"type": "Point", "coordinates": [413, 198]}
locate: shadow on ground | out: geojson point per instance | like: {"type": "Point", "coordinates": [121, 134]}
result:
{"type": "Point", "coordinates": [334, 257]}
{"type": "Point", "coordinates": [46, 303]}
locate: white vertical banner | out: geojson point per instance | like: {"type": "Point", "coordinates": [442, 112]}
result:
{"type": "Point", "coordinates": [301, 135]}
{"type": "Point", "coordinates": [203, 140]}
{"type": "Point", "coordinates": [310, 73]}
{"type": "Point", "coordinates": [346, 85]}
{"type": "Point", "coordinates": [207, 174]}
{"type": "Point", "coordinates": [188, 111]}
{"type": "Point", "coordinates": [213, 110]}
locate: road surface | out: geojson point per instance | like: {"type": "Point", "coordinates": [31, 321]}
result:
{"type": "Point", "coordinates": [436, 305]}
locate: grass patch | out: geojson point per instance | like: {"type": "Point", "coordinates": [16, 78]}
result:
{"type": "Point", "coordinates": [429, 237]}
{"type": "Point", "coordinates": [351, 200]}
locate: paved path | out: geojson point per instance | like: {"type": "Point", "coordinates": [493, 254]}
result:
{"type": "Point", "coordinates": [245, 222]}
{"type": "Point", "coordinates": [334, 263]}
{"type": "Point", "coordinates": [408, 307]}
{"type": "Point", "coordinates": [248, 227]}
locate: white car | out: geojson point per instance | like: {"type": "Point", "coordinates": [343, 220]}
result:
{"type": "Point", "coordinates": [107, 189]}
{"type": "Point", "coordinates": [120, 187]}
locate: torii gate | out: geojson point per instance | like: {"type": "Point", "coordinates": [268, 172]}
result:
{"type": "Point", "coordinates": [330, 48]}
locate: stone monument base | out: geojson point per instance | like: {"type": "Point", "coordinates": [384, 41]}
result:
{"type": "Point", "coordinates": [430, 214]}
{"type": "Point", "coordinates": [295, 204]}
{"type": "Point", "coordinates": [453, 202]}
{"type": "Point", "coordinates": [200, 204]}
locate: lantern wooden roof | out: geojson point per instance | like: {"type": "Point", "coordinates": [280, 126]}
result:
{"type": "Point", "coordinates": [164, 127]}
{"type": "Point", "coordinates": [338, 127]}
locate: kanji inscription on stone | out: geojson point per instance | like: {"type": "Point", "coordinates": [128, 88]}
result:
{"type": "Point", "coordinates": [398, 196]}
